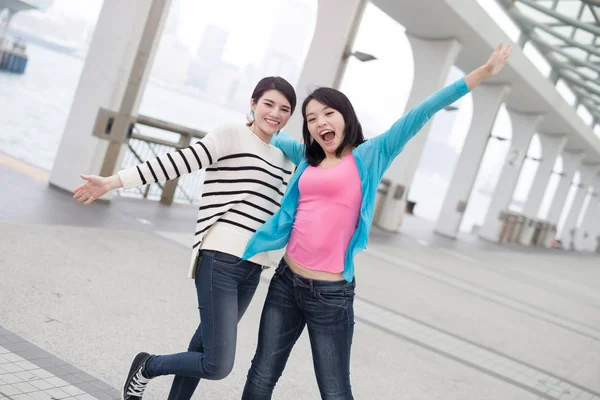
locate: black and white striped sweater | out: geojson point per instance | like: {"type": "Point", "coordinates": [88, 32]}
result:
{"type": "Point", "coordinates": [245, 180]}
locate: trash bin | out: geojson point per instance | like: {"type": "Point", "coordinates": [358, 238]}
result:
{"type": "Point", "coordinates": [538, 233]}
{"type": "Point", "coordinates": [504, 227]}
{"type": "Point", "coordinates": [410, 207]}
{"type": "Point", "coordinates": [550, 236]}
{"type": "Point", "coordinates": [518, 228]}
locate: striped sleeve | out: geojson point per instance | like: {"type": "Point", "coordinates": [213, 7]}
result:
{"type": "Point", "coordinates": [200, 154]}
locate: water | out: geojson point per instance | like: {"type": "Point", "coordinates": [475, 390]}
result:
{"type": "Point", "coordinates": [34, 107]}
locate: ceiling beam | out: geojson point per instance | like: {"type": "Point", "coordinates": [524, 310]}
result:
{"type": "Point", "coordinates": [591, 2]}
{"type": "Point", "coordinates": [556, 24]}
{"type": "Point", "coordinates": [595, 30]}
{"type": "Point", "coordinates": [574, 43]}
{"type": "Point", "coordinates": [547, 48]}
{"type": "Point", "coordinates": [562, 65]}
{"type": "Point", "coordinates": [591, 109]}
{"type": "Point", "coordinates": [581, 84]}
{"type": "Point", "coordinates": [594, 13]}
{"type": "Point", "coordinates": [587, 95]}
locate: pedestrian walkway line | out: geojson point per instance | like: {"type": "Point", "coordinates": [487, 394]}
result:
{"type": "Point", "coordinates": [573, 295]}
{"type": "Point", "coordinates": [489, 294]}
{"type": "Point", "coordinates": [24, 168]}
{"type": "Point", "coordinates": [29, 373]}
{"type": "Point", "coordinates": [541, 383]}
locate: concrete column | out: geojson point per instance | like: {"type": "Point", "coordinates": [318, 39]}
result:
{"type": "Point", "coordinates": [523, 127]}
{"type": "Point", "coordinates": [571, 163]}
{"type": "Point", "coordinates": [113, 77]}
{"type": "Point", "coordinates": [433, 60]}
{"type": "Point", "coordinates": [586, 174]}
{"type": "Point", "coordinates": [591, 243]}
{"type": "Point", "coordinates": [585, 235]}
{"type": "Point", "coordinates": [551, 146]}
{"type": "Point", "coordinates": [335, 31]}
{"type": "Point", "coordinates": [4, 24]}
{"type": "Point", "coordinates": [487, 100]}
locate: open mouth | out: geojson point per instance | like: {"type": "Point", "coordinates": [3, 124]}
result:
{"type": "Point", "coordinates": [272, 122]}
{"type": "Point", "coordinates": [327, 136]}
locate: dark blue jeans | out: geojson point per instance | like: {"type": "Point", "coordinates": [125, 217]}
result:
{"type": "Point", "coordinates": [327, 308]}
{"type": "Point", "coordinates": [225, 285]}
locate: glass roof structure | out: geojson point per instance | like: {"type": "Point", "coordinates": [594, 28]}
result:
{"type": "Point", "coordinates": [567, 33]}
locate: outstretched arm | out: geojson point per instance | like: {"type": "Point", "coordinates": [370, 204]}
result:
{"type": "Point", "coordinates": [393, 141]}
{"type": "Point", "coordinates": [292, 148]}
{"type": "Point", "coordinates": [172, 165]}
{"type": "Point", "coordinates": [497, 60]}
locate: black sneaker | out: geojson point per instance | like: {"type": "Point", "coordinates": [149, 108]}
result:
{"type": "Point", "coordinates": [136, 381]}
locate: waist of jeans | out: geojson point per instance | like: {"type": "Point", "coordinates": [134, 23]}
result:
{"type": "Point", "coordinates": [248, 264]}
{"type": "Point", "coordinates": [299, 280]}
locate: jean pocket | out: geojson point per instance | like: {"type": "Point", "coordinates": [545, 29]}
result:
{"type": "Point", "coordinates": [226, 259]}
{"type": "Point", "coordinates": [197, 263]}
{"type": "Point", "coordinates": [335, 298]}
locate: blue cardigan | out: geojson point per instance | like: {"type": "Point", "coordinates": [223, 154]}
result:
{"type": "Point", "coordinates": [373, 158]}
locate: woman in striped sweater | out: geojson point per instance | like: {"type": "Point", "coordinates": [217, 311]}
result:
{"type": "Point", "coordinates": [324, 221]}
{"type": "Point", "coordinates": [245, 180]}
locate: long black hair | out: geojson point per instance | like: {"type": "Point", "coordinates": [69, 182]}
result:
{"type": "Point", "coordinates": [353, 133]}
{"type": "Point", "coordinates": [275, 83]}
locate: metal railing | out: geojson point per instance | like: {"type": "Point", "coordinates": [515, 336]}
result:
{"type": "Point", "coordinates": [167, 137]}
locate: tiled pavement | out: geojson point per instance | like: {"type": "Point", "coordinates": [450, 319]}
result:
{"type": "Point", "coordinates": [30, 373]}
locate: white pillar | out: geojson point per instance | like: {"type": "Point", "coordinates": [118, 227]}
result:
{"type": "Point", "coordinates": [487, 100]}
{"type": "Point", "coordinates": [586, 174]}
{"type": "Point", "coordinates": [113, 77]}
{"type": "Point", "coordinates": [5, 23]}
{"type": "Point", "coordinates": [551, 146]}
{"type": "Point", "coordinates": [523, 127]}
{"type": "Point", "coordinates": [335, 31]}
{"type": "Point", "coordinates": [590, 244]}
{"type": "Point", "coordinates": [433, 60]}
{"type": "Point", "coordinates": [571, 163]}
{"type": "Point", "coordinates": [585, 235]}
{"type": "Point", "coordinates": [594, 236]}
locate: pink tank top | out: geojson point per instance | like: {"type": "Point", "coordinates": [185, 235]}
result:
{"type": "Point", "coordinates": [327, 216]}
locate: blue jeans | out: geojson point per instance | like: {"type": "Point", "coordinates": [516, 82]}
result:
{"type": "Point", "coordinates": [327, 309]}
{"type": "Point", "coordinates": [225, 285]}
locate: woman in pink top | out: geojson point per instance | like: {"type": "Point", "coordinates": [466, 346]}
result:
{"type": "Point", "coordinates": [324, 220]}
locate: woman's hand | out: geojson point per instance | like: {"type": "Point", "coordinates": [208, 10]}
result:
{"type": "Point", "coordinates": [95, 187]}
{"type": "Point", "coordinates": [498, 59]}
{"type": "Point", "coordinates": [494, 64]}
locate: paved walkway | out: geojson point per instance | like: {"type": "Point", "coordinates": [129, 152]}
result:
{"type": "Point", "coordinates": [27, 372]}
{"type": "Point", "coordinates": [85, 288]}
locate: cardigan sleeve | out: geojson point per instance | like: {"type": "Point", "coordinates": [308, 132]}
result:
{"type": "Point", "coordinates": [391, 143]}
{"type": "Point", "coordinates": [292, 148]}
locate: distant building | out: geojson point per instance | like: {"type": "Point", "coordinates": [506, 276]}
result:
{"type": "Point", "coordinates": [289, 40]}
{"type": "Point", "coordinates": [208, 57]}
{"type": "Point", "coordinates": [172, 61]}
